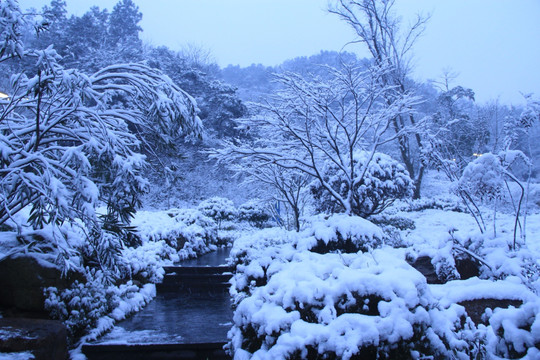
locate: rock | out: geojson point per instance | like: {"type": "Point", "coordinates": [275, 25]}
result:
{"type": "Point", "coordinates": [425, 267]}
{"type": "Point", "coordinates": [476, 308]}
{"type": "Point", "coordinates": [23, 279]}
{"type": "Point", "coordinates": [467, 267]}
{"type": "Point", "coordinates": [45, 339]}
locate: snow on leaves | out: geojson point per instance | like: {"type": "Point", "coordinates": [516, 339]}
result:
{"type": "Point", "coordinates": [70, 141]}
{"type": "Point", "coordinates": [294, 303]}
{"type": "Point", "coordinates": [11, 21]}
{"type": "Point", "coordinates": [383, 181]}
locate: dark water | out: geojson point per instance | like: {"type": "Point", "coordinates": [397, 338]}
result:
{"type": "Point", "coordinates": [179, 317]}
{"type": "Point", "coordinates": [170, 318]}
{"type": "Point", "coordinates": [215, 258]}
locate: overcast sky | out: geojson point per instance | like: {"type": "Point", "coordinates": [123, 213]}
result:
{"type": "Point", "coordinates": [494, 45]}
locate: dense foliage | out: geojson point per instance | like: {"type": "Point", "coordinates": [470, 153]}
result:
{"type": "Point", "coordinates": [384, 181]}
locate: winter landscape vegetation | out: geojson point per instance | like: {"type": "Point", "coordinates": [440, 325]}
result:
{"type": "Point", "coordinates": [368, 215]}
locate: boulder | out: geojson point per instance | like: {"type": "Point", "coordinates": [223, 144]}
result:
{"type": "Point", "coordinates": [23, 278]}
{"type": "Point", "coordinates": [424, 265]}
{"type": "Point", "coordinates": [476, 308]}
{"type": "Point", "coordinates": [45, 339]}
{"type": "Point", "coordinates": [467, 266]}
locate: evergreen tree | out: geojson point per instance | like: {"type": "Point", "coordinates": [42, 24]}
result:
{"type": "Point", "coordinates": [124, 23]}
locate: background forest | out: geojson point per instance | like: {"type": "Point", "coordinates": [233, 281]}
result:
{"type": "Point", "coordinates": [100, 38]}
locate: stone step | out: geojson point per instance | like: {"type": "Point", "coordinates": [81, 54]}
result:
{"type": "Point", "coordinates": [155, 351]}
{"type": "Point", "coordinates": [197, 269]}
{"type": "Point", "coordinates": [190, 288]}
{"type": "Point", "coordinates": [196, 278]}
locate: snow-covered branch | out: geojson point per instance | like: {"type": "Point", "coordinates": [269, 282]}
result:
{"type": "Point", "coordinates": [312, 123]}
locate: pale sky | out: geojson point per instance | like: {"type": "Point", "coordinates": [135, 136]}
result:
{"type": "Point", "coordinates": [494, 45]}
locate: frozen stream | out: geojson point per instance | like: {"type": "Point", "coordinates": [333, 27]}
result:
{"type": "Point", "coordinates": [200, 316]}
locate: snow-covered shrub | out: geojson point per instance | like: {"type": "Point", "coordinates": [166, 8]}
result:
{"type": "Point", "coordinates": [384, 181]}
{"type": "Point", "coordinates": [444, 262]}
{"type": "Point", "coordinates": [343, 306]}
{"type": "Point", "coordinates": [145, 263]}
{"type": "Point", "coordinates": [253, 212]}
{"type": "Point", "coordinates": [186, 230]}
{"type": "Point", "coordinates": [515, 333]}
{"type": "Point", "coordinates": [84, 303]}
{"type": "Point", "coordinates": [440, 203]}
{"type": "Point", "coordinates": [461, 256]}
{"type": "Point", "coordinates": [199, 235]}
{"type": "Point", "coordinates": [398, 222]}
{"type": "Point", "coordinates": [218, 209]}
{"type": "Point", "coordinates": [257, 256]}
{"type": "Point", "coordinates": [483, 177]}
{"type": "Point", "coordinates": [340, 233]}
{"type": "Point", "coordinates": [392, 225]}
{"type": "Point", "coordinates": [488, 178]}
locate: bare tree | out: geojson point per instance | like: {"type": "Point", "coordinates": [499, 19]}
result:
{"type": "Point", "coordinates": [290, 187]}
{"type": "Point", "coordinates": [379, 30]}
{"type": "Point", "coordinates": [312, 123]}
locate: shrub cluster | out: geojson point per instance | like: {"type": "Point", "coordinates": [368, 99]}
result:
{"type": "Point", "coordinates": [294, 300]}
{"type": "Point", "coordinates": [219, 209]}
{"type": "Point", "coordinates": [254, 213]}
{"type": "Point", "coordinates": [384, 181]}
{"type": "Point", "coordinates": [81, 306]}
{"type": "Point", "coordinates": [336, 306]}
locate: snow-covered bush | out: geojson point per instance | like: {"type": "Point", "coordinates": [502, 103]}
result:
{"type": "Point", "coordinates": [383, 181]}
{"type": "Point", "coordinates": [253, 212]}
{"type": "Point", "coordinates": [515, 333]}
{"type": "Point", "coordinates": [219, 209]}
{"type": "Point", "coordinates": [188, 231]}
{"type": "Point", "coordinates": [145, 263]}
{"type": "Point", "coordinates": [440, 203]}
{"type": "Point", "coordinates": [258, 256]}
{"type": "Point", "coordinates": [483, 177]}
{"type": "Point", "coordinates": [343, 306]}
{"type": "Point", "coordinates": [392, 225]}
{"type": "Point", "coordinates": [82, 305]}
{"type": "Point", "coordinates": [445, 263]}
{"type": "Point", "coordinates": [340, 233]}
{"type": "Point", "coordinates": [395, 221]}
{"type": "Point", "coordinates": [200, 234]}
{"type": "Point", "coordinates": [488, 178]}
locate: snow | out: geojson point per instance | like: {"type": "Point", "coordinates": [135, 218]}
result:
{"type": "Point", "coordinates": [474, 288]}
{"type": "Point", "coordinates": [14, 333]}
{"type": "Point", "coordinates": [356, 228]}
{"type": "Point", "coordinates": [296, 301]}
{"type": "Point", "coordinates": [119, 336]}
{"type": "Point", "coordinates": [26, 355]}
